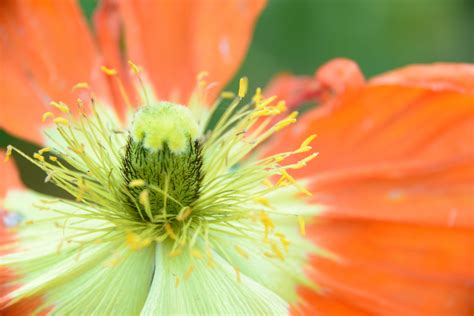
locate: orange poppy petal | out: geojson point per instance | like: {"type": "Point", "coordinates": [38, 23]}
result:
{"type": "Point", "coordinates": [46, 49]}
{"type": "Point", "coordinates": [442, 76]}
{"type": "Point", "coordinates": [175, 40]}
{"type": "Point", "coordinates": [339, 75]}
{"type": "Point", "coordinates": [377, 130]}
{"type": "Point", "coordinates": [395, 175]}
{"type": "Point", "coordinates": [295, 90]}
{"type": "Point", "coordinates": [396, 269]}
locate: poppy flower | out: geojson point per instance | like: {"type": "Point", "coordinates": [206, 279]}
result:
{"type": "Point", "coordinates": [168, 216]}
{"type": "Point", "coordinates": [165, 215]}
{"type": "Point", "coordinates": [395, 181]}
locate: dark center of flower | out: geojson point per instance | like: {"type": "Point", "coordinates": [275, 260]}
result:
{"type": "Point", "coordinates": [162, 166]}
{"type": "Point", "coordinates": [173, 180]}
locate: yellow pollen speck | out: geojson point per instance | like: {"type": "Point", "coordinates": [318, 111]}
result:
{"type": "Point", "coordinates": [302, 225]}
{"type": "Point", "coordinates": [257, 98]}
{"type": "Point", "coordinates": [243, 86]}
{"type": "Point", "coordinates": [108, 71]}
{"type": "Point", "coordinates": [38, 157]}
{"type": "Point", "coordinates": [196, 254]}
{"type": "Point", "coordinates": [80, 85]}
{"type": "Point", "coordinates": [135, 242]}
{"type": "Point", "coordinates": [188, 272]}
{"type": "Point", "coordinates": [135, 68]}
{"type": "Point", "coordinates": [262, 200]}
{"type": "Point", "coordinates": [44, 150]}
{"type": "Point", "coordinates": [228, 95]}
{"type": "Point", "coordinates": [144, 197]}
{"type": "Point", "coordinates": [169, 231]}
{"type": "Point", "coordinates": [241, 251]}
{"type": "Point", "coordinates": [277, 251]}
{"type": "Point", "coordinates": [61, 106]}
{"type": "Point", "coordinates": [184, 213]}
{"type": "Point", "coordinates": [136, 183]}
{"type": "Point", "coordinates": [46, 116]}
{"type": "Point", "coordinates": [175, 252]}
{"type": "Point", "coordinates": [9, 153]}
{"type": "Point", "coordinates": [61, 121]}
{"type": "Point", "coordinates": [53, 158]}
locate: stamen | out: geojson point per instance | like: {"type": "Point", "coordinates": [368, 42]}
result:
{"type": "Point", "coordinates": [243, 86]}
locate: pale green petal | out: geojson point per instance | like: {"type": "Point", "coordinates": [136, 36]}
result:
{"type": "Point", "coordinates": [207, 291]}
{"type": "Point", "coordinates": [116, 286]}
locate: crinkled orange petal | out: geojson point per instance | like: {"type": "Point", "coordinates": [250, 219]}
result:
{"type": "Point", "coordinates": [395, 269]}
{"type": "Point", "coordinates": [176, 40]}
{"type": "Point", "coordinates": [46, 48]}
{"type": "Point", "coordinates": [439, 76]}
{"type": "Point", "coordinates": [395, 176]}
{"type": "Point", "coordinates": [295, 90]}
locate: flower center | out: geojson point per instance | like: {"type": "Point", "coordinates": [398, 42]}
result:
{"type": "Point", "coordinates": [162, 165]}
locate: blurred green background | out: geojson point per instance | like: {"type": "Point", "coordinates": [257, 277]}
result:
{"type": "Point", "coordinates": [299, 35]}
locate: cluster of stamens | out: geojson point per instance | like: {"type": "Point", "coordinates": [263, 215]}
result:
{"type": "Point", "coordinates": [201, 193]}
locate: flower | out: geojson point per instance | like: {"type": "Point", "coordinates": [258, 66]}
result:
{"type": "Point", "coordinates": [166, 215]}
{"type": "Point", "coordinates": [394, 200]}
{"type": "Point", "coordinates": [395, 182]}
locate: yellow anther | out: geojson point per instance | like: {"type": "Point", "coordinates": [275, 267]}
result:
{"type": "Point", "coordinates": [243, 86]}
{"type": "Point", "coordinates": [196, 254]}
{"type": "Point", "coordinates": [175, 252]}
{"type": "Point", "coordinates": [53, 158]}
{"type": "Point", "coordinates": [277, 251]}
{"type": "Point", "coordinates": [46, 116]}
{"type": "Point", "coordinates": [44, 150]}
{"type": "Point", "coordinates": [135, 242]}
{"type": "Point", "coordinates": [281, 106]}
{"type": "Point", "coordinates": [285, 178]}
{"type": "Point", "coordinates": [176, 284]}
{"type": "Point", "coordinates": [38, 157]}
{"type": "Point", "coordinates": [279, 158]}
{"type": "Point", "coordinates": [169, 230]}
{"type": "Point", "coordinates": [262, 200]}
{"type": "Point", "coordinates": [184, 213]}
{"type": "Point", "coordinates": [241, 251]}
{"type": "Point", "coordinates": [144, 198]}
{"type": "Point", "coordinates": [285, 243]}
{"type": "Point", "coordinates": [136, 183]}
{"type": "Point", "coordinates": [61, 106]}
{"type": "Point", "coordinates": [228, 95]}
{"type": "Point", "coordinates": [302, 163]}
{"type": "Point", "coordinates": [188, 272]}
{"type": "Point", "coordinates": [80, 85]}
{"type": "Point", "coordinates": [302, 225]}
{"type": "Point", "coordinates": [257, 98]}
{"type": "Point", "coordinates": [308, 140]}
{"type": "Point", "coordinates": [108, 71]}
{"type": "Point", "coordinates": [61, 121]}
{"type": "Point", "coordinates": [267, 102]}
{"type": "Point", "coordinates": [237, 274]}
{"type": "Point", "coordinates": [293, 115]}
{"type": "Point", "coordinates": [9, 153]}
{"type": "Point", "coordinates": [284, 123]}
{"type": "Point", "coordinates": [134, 67]}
